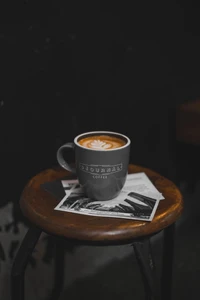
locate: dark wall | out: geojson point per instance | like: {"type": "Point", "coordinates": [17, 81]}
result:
{"type": "Point", "coordinates": [68, 69]}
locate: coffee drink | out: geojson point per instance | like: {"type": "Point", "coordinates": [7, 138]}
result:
{"type": "Point", "coordinates": [101, 142]}
{"type": "Point", "coordinates": [101, 162]}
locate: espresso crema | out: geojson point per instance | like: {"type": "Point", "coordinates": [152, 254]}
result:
{"type": "Point", "coordinates": [101, 142]}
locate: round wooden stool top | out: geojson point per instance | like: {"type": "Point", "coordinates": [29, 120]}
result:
{"type": "Point", "coordinates": [38, 206]}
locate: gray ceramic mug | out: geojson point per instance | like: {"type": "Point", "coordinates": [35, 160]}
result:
{"type": "Point", "coordinates": [102, 173]}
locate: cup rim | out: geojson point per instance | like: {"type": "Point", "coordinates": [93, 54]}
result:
{"type": "Point", "coordinates": [102, 132]}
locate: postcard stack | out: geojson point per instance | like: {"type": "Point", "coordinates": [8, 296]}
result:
{"type": "Point", "coordinates": [138, 200]}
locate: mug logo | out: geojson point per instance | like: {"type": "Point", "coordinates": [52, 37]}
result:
{"type": "Point", "coordinates": [100, 169]}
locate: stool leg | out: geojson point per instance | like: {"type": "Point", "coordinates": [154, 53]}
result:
{"type": "Point", "coordinates": [21, 261]}
{"type": "Point", "coordinates": [168, 255]}
{"type": "Point", "coordinates": [59, 268]}
{"type": "Point", "coordinates": [146, 263]}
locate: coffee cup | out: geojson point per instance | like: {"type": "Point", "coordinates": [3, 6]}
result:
{"type": "Point", "coordinates": [101, 162]}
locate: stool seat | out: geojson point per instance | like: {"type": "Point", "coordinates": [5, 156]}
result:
{"type": "Point", "coordinates": [188, 122]}
{"type": "Point", "coordinates": [38, 206]}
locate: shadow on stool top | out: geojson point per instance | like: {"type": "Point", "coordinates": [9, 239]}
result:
{"type": "Point", "coordinates": [38, 206]}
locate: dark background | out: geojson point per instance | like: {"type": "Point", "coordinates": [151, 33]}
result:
{"type": "Point", "coordinates": [70, 68]}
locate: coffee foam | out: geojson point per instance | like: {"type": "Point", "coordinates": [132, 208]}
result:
{"type": "Point", "coordinates": [101, 142]}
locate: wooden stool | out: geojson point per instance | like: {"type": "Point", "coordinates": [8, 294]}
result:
{"type": "Point", "coordinates": [188, 122]}
{"type": "Point", "coordinates": [38, 206]}
{"type": "Point", "coordinates": [188, 143]}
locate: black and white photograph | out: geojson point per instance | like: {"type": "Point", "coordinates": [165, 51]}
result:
{"type": "Point", "coordinates": [141, 184]}
{"type": "Point", "coordinates": [70, 184]}
{"type": "Point", "coordinates": [75, 200]}
{"type": "Point", "coordinates": [128, 204]}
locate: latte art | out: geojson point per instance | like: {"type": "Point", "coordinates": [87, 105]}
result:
{"type": "Point", "coordinates": [97, 144]}
{"type": "Point", "coordinates": [102, 142]}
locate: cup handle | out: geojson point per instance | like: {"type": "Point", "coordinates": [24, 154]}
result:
{"type": "Point", "coordinates": [61, 160]}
